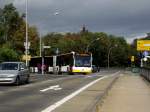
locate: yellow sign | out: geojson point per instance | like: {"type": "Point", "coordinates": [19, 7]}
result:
{"type": "Point", "coordinates": [28, 57]}
{"type": "Point", "coordinates": [143, 45]}
{"type": "Point", "coordinates": [132, 58]}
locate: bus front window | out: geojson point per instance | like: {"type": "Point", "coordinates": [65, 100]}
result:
{"type": "Point", "coordinates": [81, 61]}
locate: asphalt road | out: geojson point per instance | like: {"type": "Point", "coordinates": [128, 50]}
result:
{"type": "Point", "coordinates": [43, 91]}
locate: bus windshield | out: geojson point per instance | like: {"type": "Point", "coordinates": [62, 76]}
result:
{"type": "Point", "coordinates": [82, 61]}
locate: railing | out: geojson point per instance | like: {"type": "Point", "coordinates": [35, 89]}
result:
{"type": "Point", "coordinates": [145, 72]}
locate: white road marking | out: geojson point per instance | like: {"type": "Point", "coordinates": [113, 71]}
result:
{"type": "Point", "coordinates": [89, 76]}
{"type": "Point", "coordinates": [59, 103]}
{"type": "Point", "coordinates": [121, 75]}
{"type": "Point", "coordinates": [56, 87]}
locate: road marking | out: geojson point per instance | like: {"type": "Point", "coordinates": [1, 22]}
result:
{"type": "Point", "coordinates": [89, 76]}
{"type": "Point", "coordinates": [121, 75]}
{"type": "Point", "coordinates": [59, 103]}
{"type": "Point", "coordinates": [55, 87]}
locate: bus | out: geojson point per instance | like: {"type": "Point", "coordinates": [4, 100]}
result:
{"type": "Point", "coordinates": [65, 63]}
{"type": "Point", "coordinates": [75, 62]}
{"type": "Point", "coordinates": [35, 64]}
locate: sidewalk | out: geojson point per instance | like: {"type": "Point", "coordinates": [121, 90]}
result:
{"type": "Point", "coordinates": [130, 93]}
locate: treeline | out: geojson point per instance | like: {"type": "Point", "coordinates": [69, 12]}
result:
{"type": "Point", "coordinates": [12, 34]}
{"type": "Point", "coordinates": [98, 43]}
{"type": "Point", "coordinates": [12, 38]}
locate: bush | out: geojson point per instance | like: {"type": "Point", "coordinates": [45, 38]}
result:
{"type": "Point", "coordinates": [7, 54]}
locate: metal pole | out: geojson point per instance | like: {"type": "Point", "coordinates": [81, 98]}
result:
{"type": "Point", "coordinates": [42, 59]}
{"type": "Point", "coordinates": [40, 45]}
{"type": "Point", "coordinates": [42, 65]}
{"type": "Point", "coordinates": [87, 48]}
{"type": "Point", "coordinates": [109, 53]}
{"type": "Point", "coordinates": [141, 62]}
{"type": "Point", "coordinates": [108, 56]}
{"type": "Point", "coordinates": [26, 43]}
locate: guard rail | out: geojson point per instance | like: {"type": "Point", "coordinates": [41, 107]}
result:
{"type": "Point", "coordinates": [145, 72]}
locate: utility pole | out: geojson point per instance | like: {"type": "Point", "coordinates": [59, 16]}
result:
{"type": "Point", "coordinates": [26, 42]}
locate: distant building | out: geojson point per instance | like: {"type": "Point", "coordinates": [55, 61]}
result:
{"type": "Point", "coordinates": [84, 29]}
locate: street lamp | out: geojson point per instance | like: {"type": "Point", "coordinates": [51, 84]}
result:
{"type": "Point", "coordinates": [56, 13]}
{"type": "Point", "coordinates": [26, 42]}
{"type": "Point", "coordinates": [109, 51]}
{"type": "Point", "coordinates": [87, 48]}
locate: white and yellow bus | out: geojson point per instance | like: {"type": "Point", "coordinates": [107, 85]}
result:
{"type": "Point", "coordinates": [65, 63]}
{"type": "Point", "coordinates": [75, 63]}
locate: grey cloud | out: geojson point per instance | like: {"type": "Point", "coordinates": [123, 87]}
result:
{"type": "Point", "coordinates": [118, 17]}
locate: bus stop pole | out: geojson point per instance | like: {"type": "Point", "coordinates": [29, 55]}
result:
{"type": "Point", "coordinates": [54, 64]}
{"type": "Point", "coordinates": [42, 65]}
{"type": "Point", "coordinates": [42, 59]}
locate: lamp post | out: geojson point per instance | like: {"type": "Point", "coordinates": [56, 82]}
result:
{"type": "Point", "coordinates": [87, 48]}
{"type": "Point", "coordinates": [26, 40]}
{"type": "Point", "coordinates": [40, 35]}
{"type": "Point", "coordinates": [109, 51]}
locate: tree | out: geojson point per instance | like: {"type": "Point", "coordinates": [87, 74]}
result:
{"type": "Point", "coordinates": [12, 31]}
{"type": "Point", "coordinates": [7, 54]}
{"type": "Point", "coordinates": [11, 21]}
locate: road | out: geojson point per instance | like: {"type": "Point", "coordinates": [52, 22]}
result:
{"type": "Point", "coordinates": [43, 91]}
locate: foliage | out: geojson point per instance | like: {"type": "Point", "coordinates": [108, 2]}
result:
{"type": "Point", "coordinates": [78, 42]}
{"type": "Point", "coordinates": [7, 54]}
{"type": "Point", "coordinates": [13, 30]}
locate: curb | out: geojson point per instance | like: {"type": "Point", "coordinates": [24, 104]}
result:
{"type": "Point", "coordinates": [99, 101]}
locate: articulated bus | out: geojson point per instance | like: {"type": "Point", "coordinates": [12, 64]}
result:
{"type": "Point", "coordinates": [35, 64]}
{"type": "Point", "coordinates": [65, 63]}
{"type": "Point", "coordinates": [75, 63]}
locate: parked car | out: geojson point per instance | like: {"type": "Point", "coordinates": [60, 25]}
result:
{"type": "Point", "coordinates": [14, 73]}
{"type": "Point", "coordinates": [94, 68]}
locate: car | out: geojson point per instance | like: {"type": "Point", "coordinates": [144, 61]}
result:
{"type": "Point", "coordinates": [14, 73]}
{"type": "Point", "coordinates": [94, 68]}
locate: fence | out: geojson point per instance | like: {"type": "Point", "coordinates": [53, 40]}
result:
{"type": "Point", "coordinates": [145, 72]}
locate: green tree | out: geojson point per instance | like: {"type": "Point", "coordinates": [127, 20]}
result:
{"type": "Point", "coordinates": [7, 54]}
{"type": "Point", "coordinates": [11, 21]}
{"type": "Point", "coordinates": [12, 31]}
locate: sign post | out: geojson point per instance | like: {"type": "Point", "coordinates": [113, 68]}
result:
{"type": "Point", "coordinates": [132, 58]}
{"type": "Point", "coordinates": [28, 57]}
{"type": "Point", "coordinates": [143, 45]}
{"type": "Point", "coordinates": [43, 54]}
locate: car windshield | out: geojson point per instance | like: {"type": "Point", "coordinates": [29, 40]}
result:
{"type": "Point", "coordinates": [8, 66]}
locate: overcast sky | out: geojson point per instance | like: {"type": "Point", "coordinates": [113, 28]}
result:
{"type": "Point", "coordinates": [128, 18]}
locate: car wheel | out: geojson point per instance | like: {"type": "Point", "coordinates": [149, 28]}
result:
{"type": "Point", "coordinates": [17, 82]}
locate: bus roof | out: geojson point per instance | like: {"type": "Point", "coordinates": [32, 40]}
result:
{"type": "Point", "coordinates": [79, 54]}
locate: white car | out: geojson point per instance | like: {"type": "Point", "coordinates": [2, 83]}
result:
{"type": "Point", "coordinates": [14, 72]}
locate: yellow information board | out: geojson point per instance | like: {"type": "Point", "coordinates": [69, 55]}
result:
{"type": "Point", "coordinates": [143, 45]}
{"type": "Point", "coordinates": [132, 58]}
{"type": "Point", "coordinates": [28, 57]}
